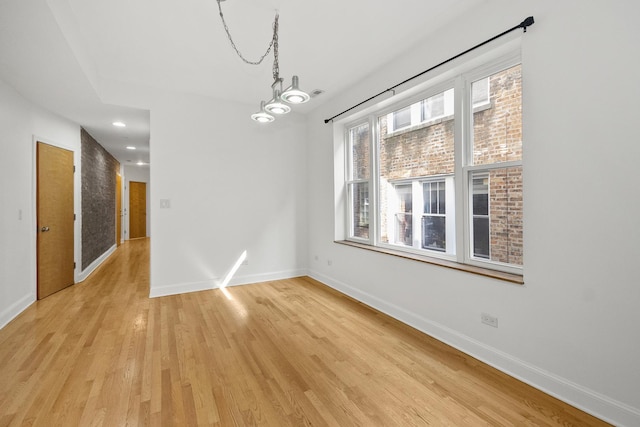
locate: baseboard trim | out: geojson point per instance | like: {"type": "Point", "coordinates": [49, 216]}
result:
{"type": "Point", "coordinates": [587, 400]}
{"type": "Point", "coordinates": [82, 276]}
{"type": "Point", "coordinates": [15, 309]}
{"type": "Point", "coordinates": [183, 288]}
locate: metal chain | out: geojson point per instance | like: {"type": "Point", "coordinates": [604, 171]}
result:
{"type": "Point", "coordinates": [273, 44]}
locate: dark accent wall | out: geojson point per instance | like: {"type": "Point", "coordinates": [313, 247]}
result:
{"type": "Point", "coordinates": [99, 169]}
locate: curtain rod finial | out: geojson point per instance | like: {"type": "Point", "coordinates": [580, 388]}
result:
{"type": "Point", "coordinates": [527, 23]}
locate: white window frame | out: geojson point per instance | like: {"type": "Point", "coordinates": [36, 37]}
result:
{"type": "Point", "coordinates": [461, 182]}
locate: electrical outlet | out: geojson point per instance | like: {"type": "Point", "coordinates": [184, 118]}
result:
{"type": "Point", "coordinates": [488, 319]}
{"type": "Point", "coordinates": [316, 257]}
{"type": "Point", "coordinates": [329, 262]}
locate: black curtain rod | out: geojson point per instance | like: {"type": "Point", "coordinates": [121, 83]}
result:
{"type": "Point", "coordinates": [524, 24]}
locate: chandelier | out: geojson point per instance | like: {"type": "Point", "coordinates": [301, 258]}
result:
{"type": "Point", "coordinates": [279, 103]}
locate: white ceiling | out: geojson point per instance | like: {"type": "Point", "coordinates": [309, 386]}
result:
{"type": "Point", "coordinates": [75, 57]}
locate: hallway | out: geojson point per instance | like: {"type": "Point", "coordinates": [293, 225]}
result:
{"type": "Point", "coordinates": [289, 352]}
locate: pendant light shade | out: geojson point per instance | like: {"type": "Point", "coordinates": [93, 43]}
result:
{"type": "Point", "coordinates": [293, 94]}
{"type": "Point", "coordinates": [276, 106]}
{"type": "Point", "coordinates": [262, 116]}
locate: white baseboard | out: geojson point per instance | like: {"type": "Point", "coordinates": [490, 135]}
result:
{"type": "Point", "coordinates": [15, 309]}
{"type": "Point", "coordinates": [587, 400]}
{"type": "Point", "coordinates": [95, 264]}
{"type": "Point", "coordinates": [183, 288]}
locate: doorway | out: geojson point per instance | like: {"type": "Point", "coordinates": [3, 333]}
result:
{"type": "Point", "coordinates": [137, 209]}
{"type": "Point", "coordinates": [55, 219]}
{"type": "Point", "coordinates": [118, 209]}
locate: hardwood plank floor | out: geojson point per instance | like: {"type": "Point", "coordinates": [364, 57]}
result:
{"type": "Point", "coordinates": [283, 353]}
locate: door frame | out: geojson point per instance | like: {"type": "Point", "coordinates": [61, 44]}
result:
{"type": "Point", "coordinates": [77, 206]}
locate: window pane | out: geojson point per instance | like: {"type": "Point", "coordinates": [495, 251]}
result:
{"type": "Point", "coordinates": [402, 118]}
{"type": "Point", "coordinates": [481, 237]}
{"type": "Point", "coordinates": [504, 219]}
{"type": "Point", "coordinates": [497, 130]}
{"type": "Point", "coordinates": [481, 196]}
{"type": "Point", "coordinates": [416, 154]}
{"type": "Point", "coordinates": [433, 107]}
{"type": "Point", "coordinates": [480, 92]}
{"type": "Point", "coordinates": [441, 198]}
{"type": "Point", "coordinates": [434, 233]}
{"type": "Point", "coordinates": [359, 152]}
{"type": "Point", "coordinates": [360, 215]}
{"type": "Point", "coordinates": [403, 216]}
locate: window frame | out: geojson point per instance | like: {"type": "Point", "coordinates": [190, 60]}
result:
{"type": "Point", "coordinates": [461, 80]}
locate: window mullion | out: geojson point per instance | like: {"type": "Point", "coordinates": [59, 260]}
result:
{"type": "Point", "coordinates": [374, 182]}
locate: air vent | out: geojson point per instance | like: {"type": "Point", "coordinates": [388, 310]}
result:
{"type": "Point", "coordinates": [316, 92]}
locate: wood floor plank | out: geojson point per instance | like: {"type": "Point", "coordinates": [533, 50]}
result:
{"type": "Point", "coordinates": [284, 353]}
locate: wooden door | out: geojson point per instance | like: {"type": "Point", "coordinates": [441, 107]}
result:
{"type": "Point", "coordinates": [55, 219]}
{"type": "Point", "coordinates": [137, 209]}
{"type": "Point", "coordinates": [118, 209]}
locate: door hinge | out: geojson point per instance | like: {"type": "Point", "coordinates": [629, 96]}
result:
{"type": "Point", "coordinates": [74, 265]}
{"type": "Point", "coordinates": [74, 217]}
{"type": "Point", "coordinates": [74, 168]}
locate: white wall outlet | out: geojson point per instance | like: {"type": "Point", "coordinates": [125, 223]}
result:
{"type": "Point", "coordinates": [165, 203]}
{"type": "Point", "coordinates": [488, 319]}
{"type": "Point", "coordinates": [329, 262]}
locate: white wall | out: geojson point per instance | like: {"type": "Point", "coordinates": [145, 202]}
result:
{"type": "Point", "coordinates": [573, 328]}
{"type": "Point", "coordinates": [233, 186]}
{"type": "Point", "coordinates": [137, 174]}
{"type": "Point", "coordinates": [21, 125]}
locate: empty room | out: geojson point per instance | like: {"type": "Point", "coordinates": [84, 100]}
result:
{"type": "Point", "coordinates": [285, 213]}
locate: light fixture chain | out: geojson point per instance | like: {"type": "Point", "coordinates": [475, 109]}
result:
{"type": "Point", "coordinates": [273, 44]}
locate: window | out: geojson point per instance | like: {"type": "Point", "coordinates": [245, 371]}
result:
{"type": "Point", "coordinates": [404, 215]}
{"type": "Point", "coordinates": [358, 184]}
{"type": "Point", "coordinates": [433, 217]}
{"type": "Point", "coordinates": [402, 118]}
{"type": "Point", "coordinates": [422, 176]}
{"type": "Point", "coordinates": [480, 209]}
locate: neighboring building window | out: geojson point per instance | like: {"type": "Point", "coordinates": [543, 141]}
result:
{"type": "Point", "coordinates": [404, 215]}
{"type": "Point", "coordinates": [480, 92]}
{"type": "Point", "coordinates": [434, 229]}
{"type": "Point", "coordinates": [480, 209]}
{"type": "Point", "coordinates": [402, 118]}
{"type": "Point", "coordinates": [417, 173]}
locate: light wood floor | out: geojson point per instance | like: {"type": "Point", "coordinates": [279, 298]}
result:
{"type": "Point", "coordinates": [289, 352]}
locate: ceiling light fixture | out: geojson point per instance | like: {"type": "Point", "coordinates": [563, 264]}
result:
{"type": "Point", "coordinates": [293, 94]}
{"type": "Point", "coordinates": [119, 124]}
{"type": "Point", "coordinates": [278, 104]}
{"type": "Point", "coordinates": [131, 147]}
{"type": "Point", "coordinates": [262, 116]}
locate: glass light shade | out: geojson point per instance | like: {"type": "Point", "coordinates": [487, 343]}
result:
{"type": "Point", "coordinates": [276, 106]}
{"type": "Point", "coordinates": [262, 116]}
{"type": "Point", "coordinates": [293, 94]}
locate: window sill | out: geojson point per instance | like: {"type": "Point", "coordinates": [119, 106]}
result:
{"type": "Point", "coordinates": [494, 274]}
